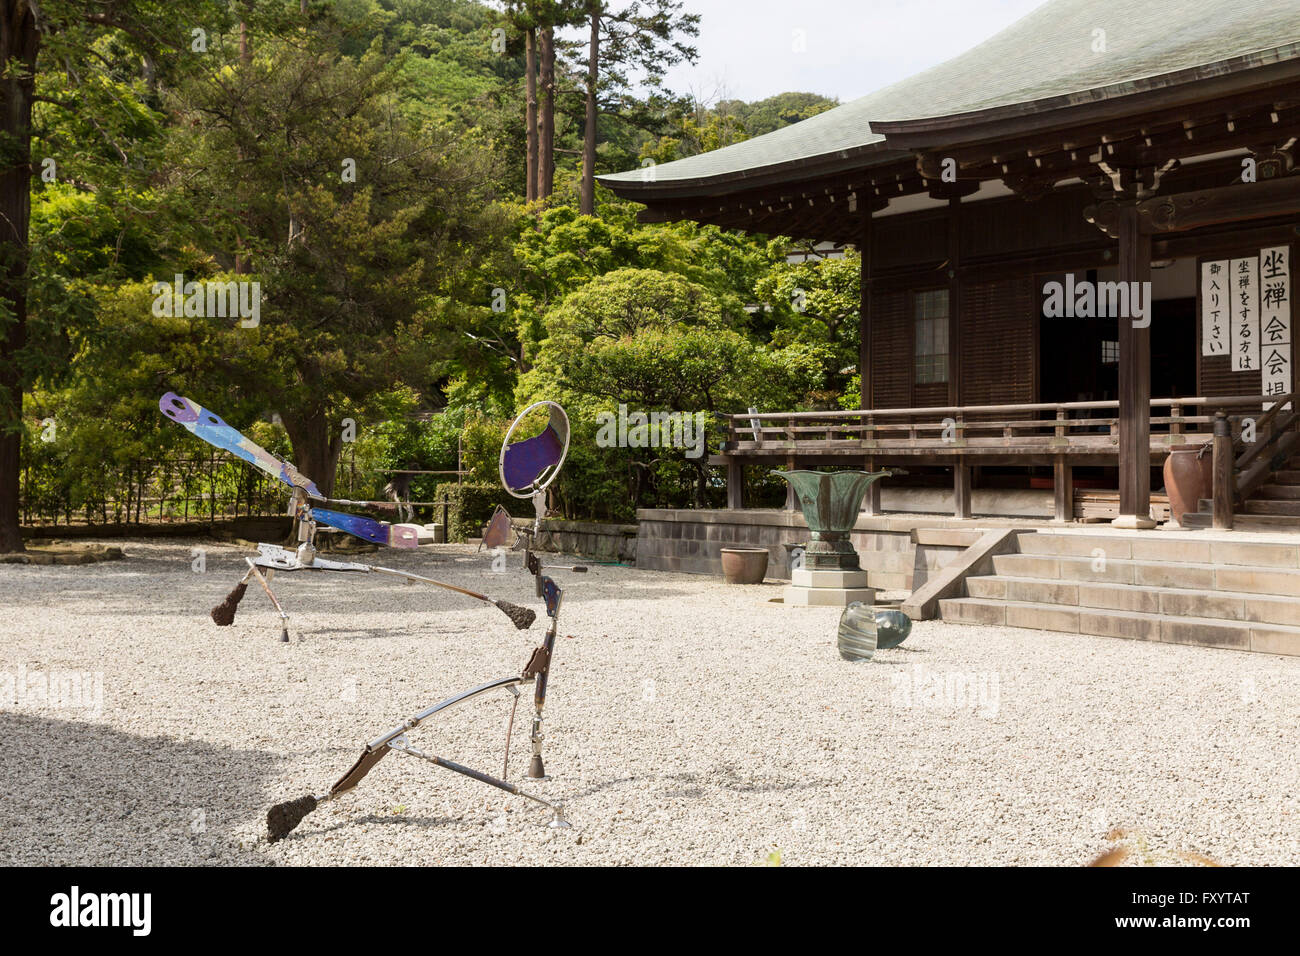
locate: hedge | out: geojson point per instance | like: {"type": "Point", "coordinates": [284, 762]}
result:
{"type": "Point", "coordinates": [471, 505]}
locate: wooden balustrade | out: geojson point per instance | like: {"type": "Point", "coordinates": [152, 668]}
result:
{"type": "Point", "coordinates": [1028, 428]}
{"type": "Point", "coordinates": [1057, 434]}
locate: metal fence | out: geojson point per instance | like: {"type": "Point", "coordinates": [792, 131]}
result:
{"type": "Point", "coordinates": [162, 490]}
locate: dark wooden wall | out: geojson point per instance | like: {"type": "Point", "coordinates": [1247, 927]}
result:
{"type": "Point", "coordinates": [1006, 247]}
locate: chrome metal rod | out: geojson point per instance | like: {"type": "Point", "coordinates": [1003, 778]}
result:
{"type": "Point", "coordinates": [265, 582]}
{"type": "Point", "coordinates": [413, 722]}
{"type": "Point", "coordinates": [478, 775]}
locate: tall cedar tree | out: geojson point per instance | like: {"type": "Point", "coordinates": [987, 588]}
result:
{"type": "Point", "coordinates": [646, 37]}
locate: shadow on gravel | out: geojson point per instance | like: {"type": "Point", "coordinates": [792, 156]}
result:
{"type": "Point", "coordinates": [83, 793]}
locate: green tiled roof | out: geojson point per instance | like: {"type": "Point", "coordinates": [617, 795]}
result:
{"type": "Point", "coordinates": [1046, 58]}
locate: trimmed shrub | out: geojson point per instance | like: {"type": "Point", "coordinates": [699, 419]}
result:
{"type": "Point", "coordinates": [471, 505]}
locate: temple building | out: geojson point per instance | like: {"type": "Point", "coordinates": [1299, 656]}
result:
{"type": "Point", "coordinates": [1087, 219]}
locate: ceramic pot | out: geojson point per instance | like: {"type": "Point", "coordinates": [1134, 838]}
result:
{"type": "Point", "coordinates": [744, 565]}
{"type": "Point", "coordinates": [1189, 477]}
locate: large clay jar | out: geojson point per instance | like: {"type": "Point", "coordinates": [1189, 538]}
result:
{"type": "Point", "coordinates": [1189, 477]}
{"type": "Point", "coordinates": [744, 565]}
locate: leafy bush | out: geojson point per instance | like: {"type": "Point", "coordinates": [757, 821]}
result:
{"type": "Point", "coordinates": [471, 505]}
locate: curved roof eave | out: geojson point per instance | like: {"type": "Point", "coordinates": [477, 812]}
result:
{"type": "Point", "coordinates": [1050, 107]}
{"type": "Point", "coordinates": [1042, 71]}
{"type": "Point", "coordinates": [876, 153]}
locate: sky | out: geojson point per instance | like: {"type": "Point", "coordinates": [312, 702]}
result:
{"type": "Point", "coordinates": [749, 48]}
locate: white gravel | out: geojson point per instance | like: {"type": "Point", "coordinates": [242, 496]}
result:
{"type": "Point", "coordinates": [688, 723]}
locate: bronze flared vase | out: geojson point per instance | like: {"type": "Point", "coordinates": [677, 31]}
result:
{"type": "Point", "coordinates": [830, 501]}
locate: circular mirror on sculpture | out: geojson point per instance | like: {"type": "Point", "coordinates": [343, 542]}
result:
{"type": "Point", "coordinates": [529, 465]}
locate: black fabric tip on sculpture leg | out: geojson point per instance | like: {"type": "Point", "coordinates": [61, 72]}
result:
{"type": "Point", "coordinates": [283, 817]}
{"type": "Point", "coordinates": [522, 617]}
{"type": "Point", "coordinates": [223, 615]}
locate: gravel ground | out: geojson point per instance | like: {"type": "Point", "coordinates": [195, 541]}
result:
{"type": "Point", "coordinates": [688, 723]}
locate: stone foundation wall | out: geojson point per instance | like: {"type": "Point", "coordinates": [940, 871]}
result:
{"type": "Point", "coordinates": [588, 539]}
{"type": "Point", "coordinates": [692, 541]}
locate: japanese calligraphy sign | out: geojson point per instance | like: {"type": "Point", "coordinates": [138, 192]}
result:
{"type": "Point", "coordinates": [1214, 307]}
{"type": "Point", "coordinates": [1244, 298]}
{"type": "Point", "coordinates": [1275, 319]}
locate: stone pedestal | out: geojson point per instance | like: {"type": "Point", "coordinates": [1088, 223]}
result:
{"type": "Point", "coordinates": [810, 588]}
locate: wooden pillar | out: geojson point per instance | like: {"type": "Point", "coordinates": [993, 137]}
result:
{"type": "Point", "coordinates": [1225, 483]}
{"type": "Point", "coordinates": [1063, 488]}
{"type": "Point", "coordinates": [954, 299]}
{"type": "Point", "coordinates": [1134, 380]}
{"type": "Point", "coordinates": [960, 490]}
{"type": "Point", "coordinates": [735, 484]}
{"type": "Point", "coordinates": [864, 315]}
{"type": "Point", "coordinates": [871, 500]}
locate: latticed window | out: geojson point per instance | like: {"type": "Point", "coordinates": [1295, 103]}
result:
{"type": "Point", "coordinates": [930, 354]}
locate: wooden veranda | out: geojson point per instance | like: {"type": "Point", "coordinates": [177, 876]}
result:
{"type": "Point", "coordinates": [1060, 435]}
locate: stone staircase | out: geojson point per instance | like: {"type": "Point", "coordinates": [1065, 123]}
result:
{"type": "Point", "coordinates": [1242, 595]}
{"type": "Point", "coordinates": [1274, 506]}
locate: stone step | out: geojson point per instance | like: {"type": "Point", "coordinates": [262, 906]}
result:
{"type": "Point", "coordinates": [1277, 579]}
{"type": "Point", "coordinates": [1279, 491]}
{"type": "Point", "coordinates": [1234, 635]}
{"type": "Point", "coordinates": [1197, 520]}
{"type": "Point", "coordinates": [1175, 602]}
{"type": "Point", "coordinates": [1265, 506]}
{"type": "Point", "coordinates": [1165, 548]}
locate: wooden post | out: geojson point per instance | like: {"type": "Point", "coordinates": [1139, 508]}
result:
{"type": "Point", "coordinates": [960, 490]}
{"type": "Point", "coordinates": [735, 484]}
{"type": "Point", "coordinates": [954, 300]}
{"type": "Point", "coordinates": [864, 318]}
{"type": "Point", "coordinates": [1134, 380]}
{"type": "Point", "coordinates": [1224, 480]}
{"type": "Point", "coordinates": [871, 500]}
{"type": "Point", "coordinates": [1063, 488]}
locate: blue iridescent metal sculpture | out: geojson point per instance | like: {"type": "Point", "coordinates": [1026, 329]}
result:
{"type": "Point", "coordinates": [527, 468]}
{"type": "Point", "coordinates": [272, 558]}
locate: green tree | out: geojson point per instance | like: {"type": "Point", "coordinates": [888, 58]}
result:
{"type": "Point", "coordinates": [81, 58]}
{"type": "Point", "coordinates": [362, 229]}
{"type": "Point", "coordinates": [644, 39]}
{"type": "Point", "coordinates": [655, 341]}
{"type": "Point", "coordinates": [817, 303]}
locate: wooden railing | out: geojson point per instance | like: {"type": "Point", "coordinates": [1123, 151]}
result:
{"type": "Point", "coordinates": [1059, 434]}
{"type": "Point", "coordinates": [1086, 427]}
{"type": "Point", "coordinates": [1240, 467]}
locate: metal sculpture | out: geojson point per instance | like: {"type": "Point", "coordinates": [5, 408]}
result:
{"type": "Point", "coordinates": [863, 630]}
{"type": "Point", "coordinates": [272, 558]}
{"type": "Point", "coordinates": [527, 467]}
